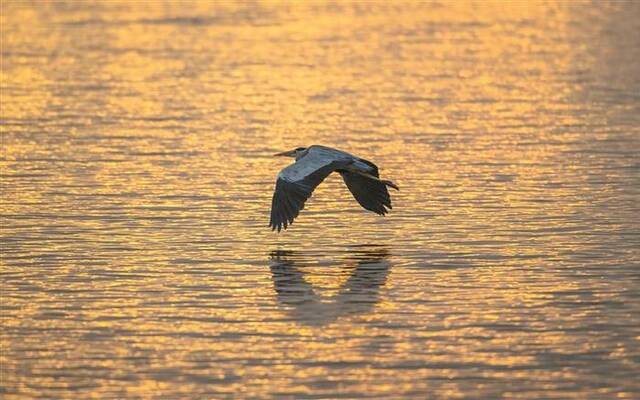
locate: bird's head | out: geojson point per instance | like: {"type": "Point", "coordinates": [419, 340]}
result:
{"type": "Point", "coordinates": [295, 153]}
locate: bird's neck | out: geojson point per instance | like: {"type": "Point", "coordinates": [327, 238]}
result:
{"type": "Point", "coordinates": [302, 154]}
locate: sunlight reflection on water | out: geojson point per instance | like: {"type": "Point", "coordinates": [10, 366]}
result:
{"type": "Point", "coordinates": [137, 179]}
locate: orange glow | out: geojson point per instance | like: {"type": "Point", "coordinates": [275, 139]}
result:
{"type": "Point", "coordinates": [136, 182]}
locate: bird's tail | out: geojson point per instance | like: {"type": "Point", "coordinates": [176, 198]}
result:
{"type": "Point", "coordinates": [390, 184]}
{"type": "Point", "coordinates": [375, 178]}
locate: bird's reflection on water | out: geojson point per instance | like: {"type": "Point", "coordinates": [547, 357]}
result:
{"type": "Point", "coordinates": [367, 269]}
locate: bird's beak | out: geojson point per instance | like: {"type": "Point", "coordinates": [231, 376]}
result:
{"type": "Point", "coordinates": [285, 154]}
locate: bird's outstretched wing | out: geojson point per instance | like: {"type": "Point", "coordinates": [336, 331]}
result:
{"type": "Point", "coordinates": [371, 194]}
{"type": "Point", "coordinates": [296, 182]}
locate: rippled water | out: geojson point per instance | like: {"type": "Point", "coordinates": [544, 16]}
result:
{"type": "Point", "coordinates": [137, 179]}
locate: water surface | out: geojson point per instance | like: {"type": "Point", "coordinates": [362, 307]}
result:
{"type": "Point", "coordinates": [136, 177]}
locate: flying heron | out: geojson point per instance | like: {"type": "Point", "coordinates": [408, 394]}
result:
{"type": "Point", "coordinates": [313, 164]}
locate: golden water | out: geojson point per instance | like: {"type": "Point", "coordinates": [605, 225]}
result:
{"type": "Point", "coordinates": [137, 175]}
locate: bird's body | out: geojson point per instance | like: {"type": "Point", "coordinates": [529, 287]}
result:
{"type": "Point", "coordinates": [296, 182]}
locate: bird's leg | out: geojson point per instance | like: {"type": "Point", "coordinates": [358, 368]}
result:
{"type": "Point", "coordinates": [375, 178]}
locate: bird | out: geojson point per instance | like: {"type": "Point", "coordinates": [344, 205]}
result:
{"type": "Point", "coordinates": [313, 164]}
